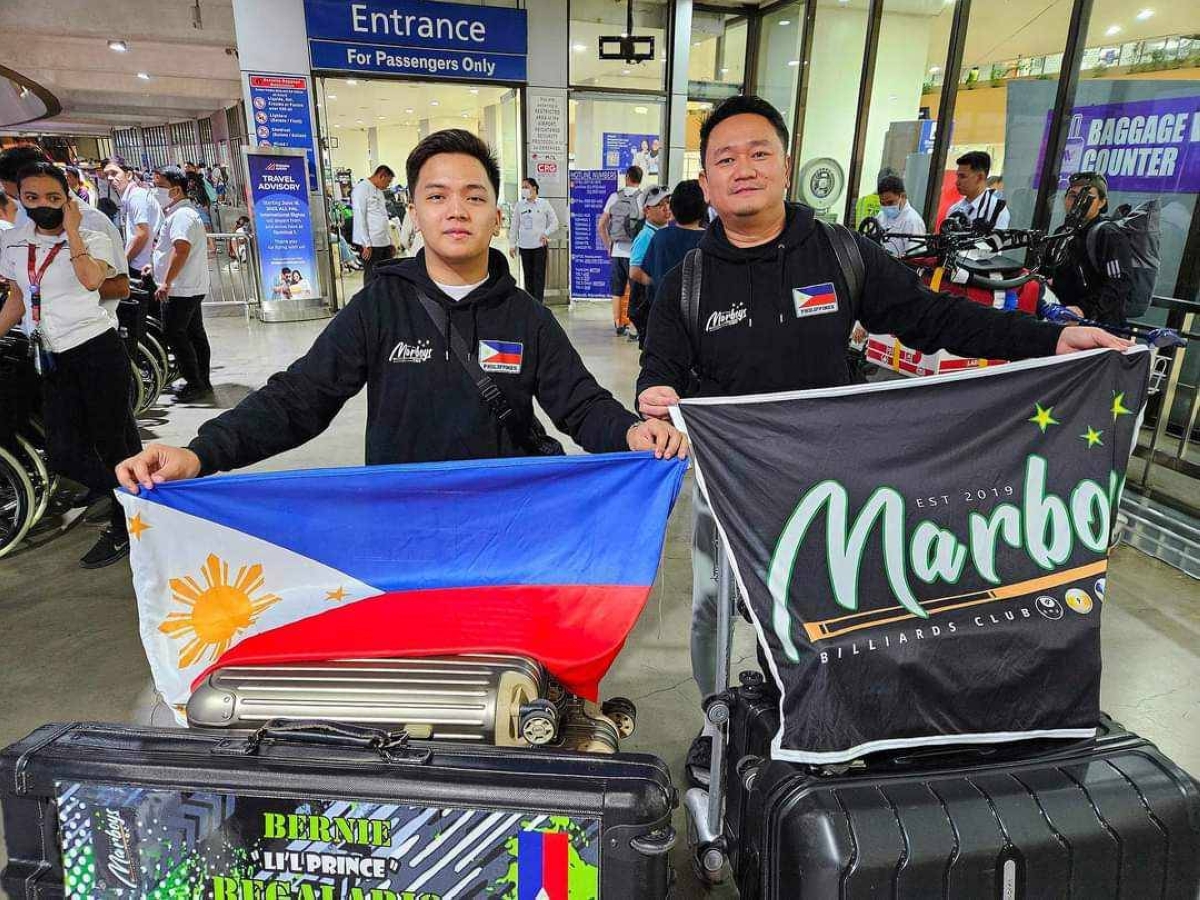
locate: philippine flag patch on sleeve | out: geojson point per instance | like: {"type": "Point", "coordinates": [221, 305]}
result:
{"type": "Point", "coordinates": [501, 356]}
{"type": "Point", "coordinates": [815, 299]}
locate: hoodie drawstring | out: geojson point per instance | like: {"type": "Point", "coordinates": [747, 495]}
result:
{"type": "Point", "coordinates": [783, 292]}
{"type": "Point", "coordinates": [449, 325]}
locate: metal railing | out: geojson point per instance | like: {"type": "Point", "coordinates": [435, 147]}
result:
{"type": "Point", "coordinates": [1180, 453]}
{"type": "Point", "coordinates": [232, 261]}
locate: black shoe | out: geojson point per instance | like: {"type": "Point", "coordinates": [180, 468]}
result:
{"type": "Point", "coordinates": [699, 761]}
{"type": "Point", "coordinates": [110, 548]}
{"type": "Point", "coordinates": [620, 329]}
{"type": "Point", "coordinates": [192, 393]}
{"type": "Point", "coordinates": [633, 337]}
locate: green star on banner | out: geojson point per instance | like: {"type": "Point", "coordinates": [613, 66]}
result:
{"type": "Point", "coordinates": [1043, 418]}
{"type": "Point", "coordinates": [1118, 406]}
{"type": "Point", "coordinates": [1092, 437]}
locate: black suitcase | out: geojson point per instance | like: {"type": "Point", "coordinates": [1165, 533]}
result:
{"type": "Point", "coordinates": [328, 812]}
{"type": "Point", "coordinates": [1109, 817]}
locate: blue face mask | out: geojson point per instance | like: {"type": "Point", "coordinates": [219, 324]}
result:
{"type": "Point", "coordinates": [890, 212]}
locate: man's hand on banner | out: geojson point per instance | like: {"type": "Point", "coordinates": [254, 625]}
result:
{"type": "Point", "coordinates": [1080, 337]}
{"type": "Point", "coordinates": [655, 402]}
{"type": "Point", "coordinates": [665, 440]}
{"type": "Point", "coordinates": [156, 464]}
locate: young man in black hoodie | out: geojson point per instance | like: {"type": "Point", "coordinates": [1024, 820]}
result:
{"type": "Point", "coordinates": [762, 260]}
{"type": "Point", "coordinates": [421, 404]}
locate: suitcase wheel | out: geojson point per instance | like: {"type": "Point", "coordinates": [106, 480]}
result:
{"type": "Point", "coordinates": [539, 721]}
{"type": "Point", "coordinates": [623, 714]}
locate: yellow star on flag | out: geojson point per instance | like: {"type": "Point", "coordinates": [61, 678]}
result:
{"type": "Point", "coordinates": [137, 526]}
{"type": "Point", "coordinates": [1118, 406]}
{"type": "Point", "coordinates": [1043, 418]}
{"type": "Point", "coordinates": [336, 596]}
{"type": "Point", "coordinates": [1092, 437]}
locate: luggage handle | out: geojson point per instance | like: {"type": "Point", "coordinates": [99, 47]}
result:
{"type": "Point", "coordinates": [392, 746]}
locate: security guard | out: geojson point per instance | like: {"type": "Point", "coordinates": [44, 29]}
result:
{"type": "Point", "coordinates": [1097, 284]}
{"type": "Point", "coordinates": [775, 314]}
{"type": "Point", "coordinates": [401, 336]}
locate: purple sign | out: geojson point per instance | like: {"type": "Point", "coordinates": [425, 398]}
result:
{"type": "Point", "coordinates": [1143, 145]}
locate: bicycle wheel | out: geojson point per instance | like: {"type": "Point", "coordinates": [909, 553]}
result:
{"type": "Point", "coordinates": [39, 477]}
{"type": "Point", "coordinates": [16, 502]}
{"type": "Point", "coordinates": [152, 377]}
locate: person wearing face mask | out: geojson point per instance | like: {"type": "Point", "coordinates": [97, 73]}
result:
{"type": "Point", "coordinates": [529, 231]}
{"type": "Point", "coordinates": [140, 214]}
{"type": "Point", "coordinates": [180, 266]}
{"type": "Point", "coordinates": [897, 216]}
{"type": "Point", "coordinates": [54, 268]}
{"type": "Point", "coordinates": [410, 337]}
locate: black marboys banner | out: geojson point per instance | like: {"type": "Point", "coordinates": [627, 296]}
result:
{"type": "Point", "coordinates": [925, 561]}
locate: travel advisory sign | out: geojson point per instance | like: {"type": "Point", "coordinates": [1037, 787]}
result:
{"type": "Point", "coordinates": [141, 842]}
{"type": "Point", "coordinates": [925, 560]}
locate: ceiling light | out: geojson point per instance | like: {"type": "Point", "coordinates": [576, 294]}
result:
{"type": "Point", "coordinates": [119, 46]}
{"type": "Point", "coordinates": [641, 110]}
{"type": "Point", "coordinates": [724, 69]}
{"type": "Point", "coordinates": [466, 115]}
{"type": "Point", "coordinates": [435, 103]}
{"type": "Point", "coordinates": [785, 21]}
{"type": "Point", "coordinates": [579, 48]}
{"type": "Point", "coordinates": [332, 96]}
{"type": "Point", "coordinates": [381, 117]}
{"type": "Point", "coordinates": [337, 126]}
{"type": "Point", "coordinates": [933, 70]}
{"type": "Point", "coordinates": [351, 82]}
{"type": "Point", "coordinates": [1141, 17]}
{"type": "Point", "coordinates": [793, 62]}
{"type": "Point", "coordinates": [624, 71]}
{"type": "Point", "coordinates": [1113, 29]}
{"type": "Point", "coordinates": [143, 76]}
{"type": "Point", "coordinates": [409, 111]}
{"type": "Point", "coordinates": [472, 90]}
{"type": "Point", "coordinates": [358, 121]}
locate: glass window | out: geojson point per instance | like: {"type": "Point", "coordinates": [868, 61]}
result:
{"type": "Point", "coordinates": [821, 166]}
{"type": "Point", "coordinates": [593, 19]}
{"type": "Point", "coordinates": [615, 133]}
{"type": "Point", "coordinates": [697, 111]}
{"type": "Point", "coordinates": [717, 60]}
{"type": "Point", "coordinates": [905, 96]}
{"type": "Point", "coordinates": [999, 110]}
{"type": "Point", "coordinates": [779, 58]}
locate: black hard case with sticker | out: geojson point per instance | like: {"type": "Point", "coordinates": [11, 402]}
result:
{"type": "Point", "coordinates": [1104, 818]}
{"type": "Point", "coordinates": [630, 794]}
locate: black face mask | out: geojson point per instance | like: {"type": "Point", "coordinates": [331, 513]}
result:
{"type": "Point", "coordinates": [49, 217]}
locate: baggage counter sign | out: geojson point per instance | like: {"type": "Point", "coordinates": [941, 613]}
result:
{"type": "Point", "coordinates": [130, 841]}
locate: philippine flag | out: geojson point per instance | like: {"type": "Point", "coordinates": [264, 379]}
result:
{"type": "Point", "coordinates": [500, 356]}
{"type": "Point", "coordinates": [815, 299]}
{"type": "Point", "coordinates": [542, 865]}
{"type": "Point", "coordinates": [503, 556]}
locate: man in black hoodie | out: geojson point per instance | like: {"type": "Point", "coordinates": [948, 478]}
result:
{"type": "Point", "coordinates": [421, 404]}
{"type": "Point", "coordinates": [767, 321]}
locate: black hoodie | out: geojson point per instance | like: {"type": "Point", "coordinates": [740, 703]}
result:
{"type": "Point", "coordinates": [421, 406]}
{"type": "Point", "coordinates": [758, 336]}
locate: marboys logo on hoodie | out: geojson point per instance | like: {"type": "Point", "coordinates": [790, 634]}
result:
{"type": "Point", "coordinates": [815, 300]}
{"type": "Point", "coordinates": [723, 318]}
{"type": "Point", "coordinates": [411, 353]}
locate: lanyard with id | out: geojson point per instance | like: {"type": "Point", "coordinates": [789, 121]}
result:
{"type": "Point", "coordinates": [43, 360]}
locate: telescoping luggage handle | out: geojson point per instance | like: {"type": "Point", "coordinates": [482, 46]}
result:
{"type": "Point", "coordinates": [392, 746]}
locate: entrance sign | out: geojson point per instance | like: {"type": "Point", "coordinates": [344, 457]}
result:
{"type": "Point", "coordinates": [283, 226]}
{"type": "Point", "coordinates": [410, 37]}
{"type": "Point", "coordinates": [925, 561]}
{"type": "Point", "coordinates": [590, 263]}
{"type": "Point", "coordinates": [281, 114]}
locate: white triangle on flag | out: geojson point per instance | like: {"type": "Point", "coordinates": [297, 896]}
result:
{"type": "Point", "coordinates": [486, 351]}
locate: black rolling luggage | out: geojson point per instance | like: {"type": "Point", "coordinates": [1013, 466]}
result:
{"type": "Point", "coordinates": [1110, 817]}
{"type": "Point", "coordinates": [320, 811]}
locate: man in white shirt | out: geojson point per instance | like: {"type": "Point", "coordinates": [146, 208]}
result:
{"type": "Point", "coordinates": [369, 208]}
{"type": "Point", "coordinates": [977, 203]}
{"type": "Point", "coordinates": [897, 216]}
{"type": "Point", "coordinates": [616, 229]}
{"type": "Point", "coordinates": [140, 215]}
{"type": "Point", "coordinates": [533, 222]}
{"type": "Point", "coordinates": [180, 266]}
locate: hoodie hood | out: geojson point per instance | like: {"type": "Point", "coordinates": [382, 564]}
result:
{"type": "Point", "coordinates": [797, 227]}
{"type": "Point", "coordinates": [499, 285]}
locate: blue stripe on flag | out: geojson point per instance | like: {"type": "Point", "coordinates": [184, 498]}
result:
{"type": "Point", "coordinates": [534, 520]}
{"type": "Point", "coordinates": [529, 864]}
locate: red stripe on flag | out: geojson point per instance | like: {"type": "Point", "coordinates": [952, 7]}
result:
{"type": "Point", "coordinates": [574, 630]}
{"type": "Point", "coordinates": [554, 864]}
{"type": "Point", "coordinates": [820, 300]}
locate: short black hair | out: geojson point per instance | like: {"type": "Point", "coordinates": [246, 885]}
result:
{"type": "Point", "coordinates": [890, 184]}
{"type": "Point", "coordinates": [978, 160]}
{"type": "Point", "coordinates": [533, 183]}
{"type": "Point", "coordinates": [14, 159]}
{"type": "Point", "coordinates": [386, 170]}
{"type": "Point", "coordinates": [736, 106]}
{"type": "Point", "coordinates": [634, 174]}
{"type": "Point", "coordinates": [43, 169]}
{"type": "Point", "coordinates": [452, 140]}
{"type": "Point", "coordinates": [174, 175]}
{"type": "Point", "coordinates": [687, 202]}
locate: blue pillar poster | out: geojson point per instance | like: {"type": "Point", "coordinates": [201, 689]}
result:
{"type": "Point", "coordinates": [282, 117]}
{"type": "Point", "coordinates": [283, 227]}
{"type": "Point", "coordinates": [590, 264]}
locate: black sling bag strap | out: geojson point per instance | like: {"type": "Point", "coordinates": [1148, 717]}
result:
{"type": "Point", "coordinates": [530, 436]}
{"type": "Point", "coordinates": [849, 258]}
{"type": "Point", "coordinates": [689, 296]}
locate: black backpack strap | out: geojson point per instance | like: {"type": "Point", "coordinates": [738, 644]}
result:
{"type": "Point", "coordinates": [849, 258]}
{"type": "Point", "coordinates": [689, 296]}
{"type": "Point", "coordinates": [998, 206]}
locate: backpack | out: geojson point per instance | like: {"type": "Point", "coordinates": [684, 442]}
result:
{"type": "Point", "coordinates": [625, 216]}
{"type": "Point", "coordinates": [1141, 226]}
